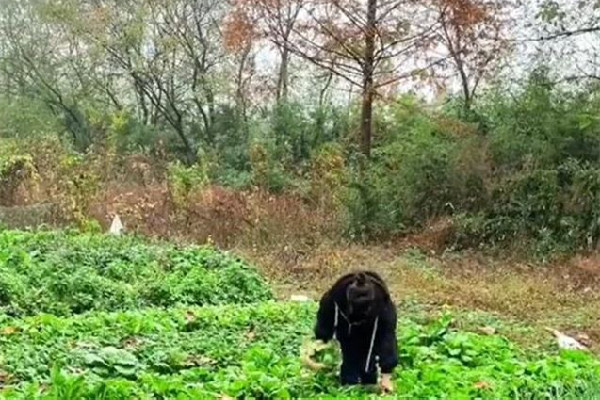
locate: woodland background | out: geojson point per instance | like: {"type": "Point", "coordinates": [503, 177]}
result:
{"type": "Point", "coordinates": [282, 127]}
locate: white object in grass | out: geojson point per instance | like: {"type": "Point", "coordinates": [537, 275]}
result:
{"type": "Point", "coordinates": [299, 297]}
{"type": "Point", "coordinates": [565, 341]}
{"type": "Point", "coordinates": [116, 228]}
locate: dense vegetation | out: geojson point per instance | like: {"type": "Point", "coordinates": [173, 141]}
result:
{"type": "Point", "coordinates": [172, 93]}
{"type": "Point", "coordinates": [523, 170]}
{"type": "Point", "coordinates": [66, 274]}
{"type": "Point", "coordinates": [190, 349]}
{"type": "Point", "coordinates": [451, 125]}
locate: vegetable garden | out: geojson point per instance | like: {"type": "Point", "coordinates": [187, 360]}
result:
{"type": "Point", "coordinates": [96, 317]}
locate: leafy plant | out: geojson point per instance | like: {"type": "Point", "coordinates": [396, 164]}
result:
{"type": "Point", "coordinates": [253, 351]}
{"type": "Point", "coordinates": [67, 273]}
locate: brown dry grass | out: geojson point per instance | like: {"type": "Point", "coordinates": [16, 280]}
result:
{"type": "Point", "coordinates": [565, 297]}
{"type": "Point", "coordinates": [252, 219]}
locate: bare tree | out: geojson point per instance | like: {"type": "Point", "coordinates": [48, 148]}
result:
{"type": "Point", "coordinates": [275, 21]}
{"type": "Point", "coordinates": [370, 44]}
{"type": "Point", "coordinates": [240, 38]}
{"type": "Point", "coordinates": [196, 27]}
{"type": "Point", "coordinates": [165, 51]}
{"type": "Point", "coordinates": [38, 61]}
{"type": "Point", "coordinates": [567, 34]}
{"type": "Point", "coordinates": [475, 35]}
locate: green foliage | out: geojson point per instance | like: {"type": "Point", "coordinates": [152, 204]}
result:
{"type": "Point", "coordinates": [65, 273]}
{"type": "Point", "coordinates": [22, 117]}
{"type": "Point", "coordinates": [525, 173]}
{"type": "Point", "coordinates": [544, 147]}
{"type": "Point", "coordinates": [287, 138]}
{"type": "Point", "coordinates": [291, 132]}
{"type": "Point", "coordinates": [295, 130]}
{"type": "Point", "coordinates": [16, 169]}
{"type": "Point", "coordinates": [184, 179]}
{"type": "Point", "coordinates": [521, 169]}
{"type": "Point", "coordinates": [496, 165]}
{"type": "Point", "coordinates": [542, 126]}
{"type": "Point", "coordinates": [414, 175]}
{"type": "Point", "coordinates": [554, 208]}
{"type": "Point", "coordinates": [267, 172]}
{"type": "Point", "coordinates": [16, 165]}
{"type": "Point", "coordinates": [126, 134]}
{"type": "Point", "coordinates": [228, 138]}
{"type": "Point", "coordinates": [253, 352]}
{"type": "Point", "coordinates": [79, 184]}
{"type": "Point", "coordinates": [329, 175]}
{"type": "Point", "coordinates": [202, 340]}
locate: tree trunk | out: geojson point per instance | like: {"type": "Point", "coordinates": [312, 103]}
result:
{"type": "Point", "coordinates": [240, 98]}
{"type": "Point", "coordinates": [368, 72]}
{"type": "Point", "coordinates": [190, 154]}
{"type": "Point", "coordinates": [467, 92]}
{"type": "Point", "coordinates": [282, 80]}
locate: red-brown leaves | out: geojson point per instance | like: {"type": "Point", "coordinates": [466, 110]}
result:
{"type": "Point", "coordinates": [238, 31]}
{"type": "Point", "coordinates": [465, 13]}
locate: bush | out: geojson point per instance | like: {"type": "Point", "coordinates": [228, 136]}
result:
{"type": "Point", "coordinates": [22, 117]}
{"type": "Point", "coordinates": [417, 173]}
{"type": "Point", "coordinates": [555, 209]}
{"type": "Point", "coordinates": [126, 135]}
{"type": "Point", "coordinates": [544, 150]}
{"type": "Point", "coordinates": [64, 274]}
{"type": "Point", "coordinates": [520, 169]}
{"type": "Point", "coordinates": [183, 180]}
{"type": "Point", "coordinates": [542, 125]}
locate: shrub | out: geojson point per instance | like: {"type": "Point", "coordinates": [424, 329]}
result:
{"type": "Point", "coordinates": [183, 180]}
{"type": "Point", "coordinates": [557, 209]}
{"type": "Point", "coordinates": [64, 274]}
{"type": "Point", "coordinates": [415, 174]}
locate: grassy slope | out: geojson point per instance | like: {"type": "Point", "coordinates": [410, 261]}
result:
{"type": "Point", "coordinates": [519, 299]}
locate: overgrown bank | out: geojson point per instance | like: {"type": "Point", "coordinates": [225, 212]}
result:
{"type": "Point", "coordinates": [522, 170]}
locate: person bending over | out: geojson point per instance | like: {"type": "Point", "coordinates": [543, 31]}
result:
{"type": "Point", "coordinates": [358, 311]}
